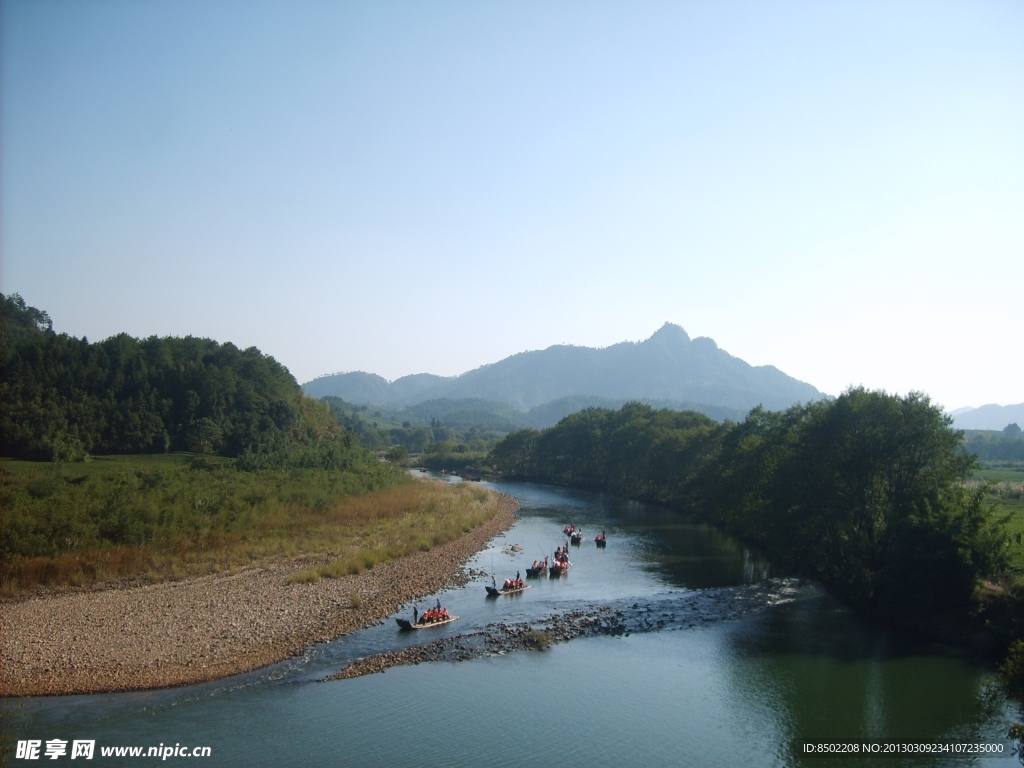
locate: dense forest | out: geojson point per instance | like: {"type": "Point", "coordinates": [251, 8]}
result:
{"type": "Point", "coordinates": [864, 493]}
{"type": "Point", "coordinates": [1005, 447]}
{"type": "Point", "coordinates": [63, 397]}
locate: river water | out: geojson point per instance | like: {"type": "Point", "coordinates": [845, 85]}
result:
{"type": "Point", "coordinates": [714, 688]}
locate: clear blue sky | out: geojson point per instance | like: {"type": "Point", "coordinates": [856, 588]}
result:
{"type": "Point", "coordinates": [833, 188]}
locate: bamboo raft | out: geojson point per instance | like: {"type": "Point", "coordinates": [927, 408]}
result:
{"type": "Point", "coordinates": [492, 592]}
{"type": "Point", "coordinates": [406, 624]}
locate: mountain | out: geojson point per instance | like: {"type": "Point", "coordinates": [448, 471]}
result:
{"type": "Point", "coordinates": [988, 416]}
{"type": "Point", "coordinates": [669, 366]}
{"type": "Point", "coordinates": [494, 416]}
{"type": "Point", "coordinates": [366, 388]}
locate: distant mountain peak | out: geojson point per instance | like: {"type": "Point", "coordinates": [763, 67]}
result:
{"type": "Point", "coordinates": [669, 333]}
{"type": "Point", "coordinates": [668, 366]}
{"type": "Point", "coordinates": [991, 416]}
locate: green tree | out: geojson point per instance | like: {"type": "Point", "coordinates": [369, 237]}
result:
{"type": "Point", "coordinates": [864, 493]}
{"type": "Point", "coordinates": [515, 455]}
{"type": "Point", "coordinates": [398, 455]}
{"type": "Point", "coordinates": [204, 436]}
{"type": "Point", "coordinates": [441, 448]}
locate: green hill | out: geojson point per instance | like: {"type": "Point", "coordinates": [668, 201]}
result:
{"type": "Point", "coordinates": [63, 397]}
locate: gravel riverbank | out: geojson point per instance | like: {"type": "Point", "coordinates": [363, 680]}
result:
{"type": "Point", "coordinates": [201, 629]}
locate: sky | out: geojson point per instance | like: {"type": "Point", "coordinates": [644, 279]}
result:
{"type": "Point", "coordinates": [833, 188]}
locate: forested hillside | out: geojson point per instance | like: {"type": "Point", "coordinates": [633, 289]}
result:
{"type": "Point", "coordinates": [62, 397]}
{"type": "Point", "coordinates": [549, 414]}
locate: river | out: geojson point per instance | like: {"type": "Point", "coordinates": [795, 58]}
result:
{"type": "Point", "coordinates": [717, 686]}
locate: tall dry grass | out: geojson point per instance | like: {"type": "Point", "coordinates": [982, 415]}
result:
{"type": "Point", "coordinates": [394, 523]}
{"type": "Point", "coordinates": [355, 533]}
{"type": "Point", "coordinates": [73, 568]}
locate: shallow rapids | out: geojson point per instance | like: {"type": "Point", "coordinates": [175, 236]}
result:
{"type": "Point", "coordinates": [616, 618]}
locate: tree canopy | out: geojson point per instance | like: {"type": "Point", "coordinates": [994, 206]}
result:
{"type": "Point", "coordinates": [62, 396]}
{"type": "Point", "coordinates": [864, 493]}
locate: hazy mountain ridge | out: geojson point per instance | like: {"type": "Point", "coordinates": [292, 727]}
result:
{"type": "Point", "coordinates": [668, 366]}
{"type": "Point", "coordinates": [502, 417]}
{"type": "Point", "coordinates": [991, 416]}
{"type": "Point", "coordinates": [369, 388]}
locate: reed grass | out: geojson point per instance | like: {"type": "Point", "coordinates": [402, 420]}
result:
{"type": "Point", "coordinates": [152, 523]}
{"type": "Point", "coordinates": [398, 522]}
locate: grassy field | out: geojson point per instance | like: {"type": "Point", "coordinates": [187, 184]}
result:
{"type": "Point", "coordinates": [1001, 475]}
{"type": "Point", "coordinates": [1015, 530]}
{"type": "Point", "coordinates": [172, 516]}
{"type": "Point", "coordinates": [1006, 491]}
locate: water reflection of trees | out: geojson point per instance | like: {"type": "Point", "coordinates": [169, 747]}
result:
{"type": "Point", "coordinates": [687, 552]}
{"type": "Point", "coordinates": [826, 675]}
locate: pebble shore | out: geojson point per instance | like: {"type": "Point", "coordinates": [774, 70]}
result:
{"type": "Point", "coordinates": [185, 632]}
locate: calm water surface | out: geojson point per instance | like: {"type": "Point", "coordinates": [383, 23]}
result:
{"type": "Point", "coordinates": [726, 693]}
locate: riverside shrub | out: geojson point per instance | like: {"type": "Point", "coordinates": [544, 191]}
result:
{"type": "Point", "coordinates": [62, 524]}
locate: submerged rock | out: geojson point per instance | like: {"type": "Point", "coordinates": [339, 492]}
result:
{"type": "Point", "coordinates": [686, 610]}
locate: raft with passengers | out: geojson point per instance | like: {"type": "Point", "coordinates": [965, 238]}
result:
{"type": "Point", "coordinates": [432, 617]}
{"type": "Point", "coordinates": [538, 569]}
{"type": "Point", "coordinates": [560, 564]}
{"type": "Point", "coordinates": [510, 587]}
